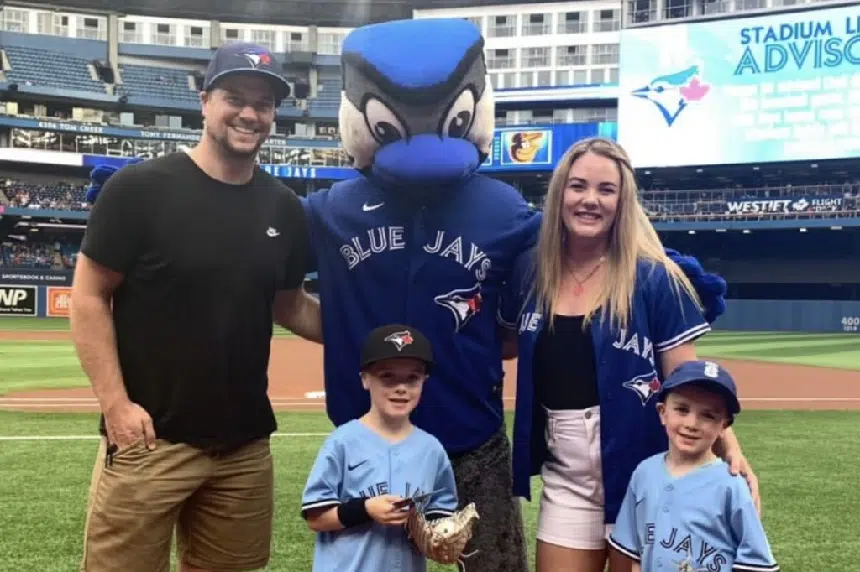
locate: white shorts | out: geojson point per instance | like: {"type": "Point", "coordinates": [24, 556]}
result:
{"type": "Point", "coordinates": [571, 506]}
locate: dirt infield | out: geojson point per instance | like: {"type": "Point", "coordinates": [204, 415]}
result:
{"type": "Point", "coordinates": [295, 375]}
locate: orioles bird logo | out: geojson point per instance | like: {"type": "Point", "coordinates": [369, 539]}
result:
{"type": "Point", "coordinates": [525, 145]}
{"type": "Point", "coordinates": [400, 339]}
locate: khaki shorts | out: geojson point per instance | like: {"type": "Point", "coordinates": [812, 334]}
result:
{"type": "Point", "coordinates": [221, 508]}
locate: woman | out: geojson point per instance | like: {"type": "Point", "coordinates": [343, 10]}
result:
{"type": "Point", "coordinates": [604, 316]}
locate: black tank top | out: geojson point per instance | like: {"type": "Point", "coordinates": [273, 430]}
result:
{"type": "Point", "coordinates": [565, 376]}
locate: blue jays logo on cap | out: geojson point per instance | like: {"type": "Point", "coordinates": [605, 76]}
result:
{"type": "Point", "coordinates": [706, 373]}
{"type": "Point", "coordinates": [400, 339]}
{"type": "Point", "coordinates": [247, 59]}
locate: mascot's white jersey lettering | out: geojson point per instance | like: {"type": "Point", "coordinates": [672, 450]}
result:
{"type": "Point", "coordinates": [390, 238]}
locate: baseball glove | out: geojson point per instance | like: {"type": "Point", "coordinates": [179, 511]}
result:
{"type": "Point", "coordinates": [442, 540]}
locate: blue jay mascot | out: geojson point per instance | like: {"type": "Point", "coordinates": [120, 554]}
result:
{"type": "Point", "coordinates": [419, 237]}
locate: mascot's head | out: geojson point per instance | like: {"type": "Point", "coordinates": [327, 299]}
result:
{"type": "Point", "coordinates": [99, 176]}
{"type": "Point", "coordinates": [417, 110]}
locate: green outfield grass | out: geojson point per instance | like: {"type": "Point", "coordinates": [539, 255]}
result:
{"type": "Point", "coordinates": [36, 365]}
{"type": "Point", "coordinates": [44, 487]}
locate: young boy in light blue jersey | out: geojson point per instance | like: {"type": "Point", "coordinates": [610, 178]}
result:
{"type": "Point", "coordinates": [684, 511]}
{"type": "Point", "coordinates": [367, 465]}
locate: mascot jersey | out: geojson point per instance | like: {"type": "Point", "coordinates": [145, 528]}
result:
{"type": "Point", "coordinates": [419, 238]}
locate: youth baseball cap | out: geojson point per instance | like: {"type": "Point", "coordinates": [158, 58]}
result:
{"type": "Point", "coordinates": [394, 341]}
{"type": "Point", "coordinates": [708, 374]}
{"type": "Point", "coordinates": [245, 58]}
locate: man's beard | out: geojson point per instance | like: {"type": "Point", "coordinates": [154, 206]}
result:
{"type": "Point", "coordinates": [227, 150]}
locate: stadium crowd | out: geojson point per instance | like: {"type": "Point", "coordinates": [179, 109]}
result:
{"type": "Point", "coordinates": [48, 256]}
{"type": "Point", "coordinates": [662, 205]}
{"type": "Point", "coordinates": [62, 196]}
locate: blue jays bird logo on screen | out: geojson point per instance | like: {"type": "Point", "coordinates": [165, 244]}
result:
{"type": "Point", "coordinates": [526, 147]}
{"type": "Point", "coordinates": [463, 304]}
{"type": "Point", "coordinates": [671, 94]}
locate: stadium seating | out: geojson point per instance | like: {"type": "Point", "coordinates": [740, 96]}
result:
{"type": "Point", "coordinates": [147, 81]}
{"type": "Point", "coordinates": [38, 255]}
{"type": "Point", "coordinates": [60, 196]}
{"type": "Point", "coordinates": [327, 101]}
{"type": "Point", "coordinates": [50, 68]}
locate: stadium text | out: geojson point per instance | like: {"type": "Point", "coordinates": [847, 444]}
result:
{"type": "Point", "coordinates": [800, 45]}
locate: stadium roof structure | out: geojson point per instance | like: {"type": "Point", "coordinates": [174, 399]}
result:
{"type": "Point", "coordinates": [327, 13]}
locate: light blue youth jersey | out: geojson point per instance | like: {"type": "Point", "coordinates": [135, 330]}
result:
{"type": "Point", "coordinates": [704, 521]}
{"type": "Point", "coordinates": [356, 462]}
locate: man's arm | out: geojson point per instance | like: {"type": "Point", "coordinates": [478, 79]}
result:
{"type": "Point", "coordinates": [299, 312]}
{"type": "Point", "coordinates": [92, 329]}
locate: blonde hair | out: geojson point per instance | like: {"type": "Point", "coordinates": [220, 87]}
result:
{"type": "Point", "coordinates": [631, 238]}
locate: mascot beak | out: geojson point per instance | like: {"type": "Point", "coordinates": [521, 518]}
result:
{"type": "Point", "coordinates": [427, 159]}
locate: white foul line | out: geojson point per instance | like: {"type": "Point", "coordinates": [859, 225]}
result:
{"type": "Point", "coordinates": [97, 437]}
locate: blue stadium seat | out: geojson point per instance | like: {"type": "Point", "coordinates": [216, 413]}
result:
{"type": "Point", "coordinates": [149, 81]}
{"type": "Point", "coordinates": [49, 68]}
{"type": "Point", "coordinates": [327, 101]}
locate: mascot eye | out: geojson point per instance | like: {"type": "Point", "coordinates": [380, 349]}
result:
{"type": "Point", "coordinates": [458, 120]}
{"type": "Point", "coordinates": [383, 123]}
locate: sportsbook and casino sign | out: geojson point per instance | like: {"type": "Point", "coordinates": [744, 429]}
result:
{"type": "Point", "coordinates": [778, 87]}
{"type": "Point", "coordinates": [36, 277]}
{"type": "Point", "coordinates": [17, 300]}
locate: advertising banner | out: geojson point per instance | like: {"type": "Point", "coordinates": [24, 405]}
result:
{"type": "Point", "coordinates": [778, 87]}
{"type": "Point", "coordinates": [58, 300]}
{"type": "Point", "coordinates": [38, 277]}
{"type": "Point", "coordinates": [796, 205]}
{"type": "Point", "coordinates": [16, 300]}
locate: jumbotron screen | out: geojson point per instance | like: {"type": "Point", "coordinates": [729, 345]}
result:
{"type": "Point", "coordinates": [780, 87]}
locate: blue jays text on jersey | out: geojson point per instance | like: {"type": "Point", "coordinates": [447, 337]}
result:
{"type": "Point", "coordinates": [384, 257]}
{"type": "Point", "coordinates": [355, 462]}
{"type": "Point", "coordinates": [628, 370]}
{"type": "Point", "coordinates": [704, 521]}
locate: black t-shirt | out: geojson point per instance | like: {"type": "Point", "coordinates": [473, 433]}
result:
{"type": "Point", "coordinates": [202, 261]}
{"type": "Point", "coordinates": [565, 376]}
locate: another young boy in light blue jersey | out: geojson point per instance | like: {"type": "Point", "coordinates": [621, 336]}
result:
{"type": "Point", "coordinates": [367, 465]}
{"type": "Point", "coordinates": [684, 511]}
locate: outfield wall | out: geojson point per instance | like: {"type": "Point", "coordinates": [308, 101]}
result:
{"type": "Point", "coordinates": [740, 315]}
{"type": "Point", "coordinates": [35, 301]}
{"type": "Point", "coordinates": [790, 316]}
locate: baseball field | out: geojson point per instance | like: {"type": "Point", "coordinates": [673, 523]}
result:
{"type": "Point", "coordinates": [799, 429]}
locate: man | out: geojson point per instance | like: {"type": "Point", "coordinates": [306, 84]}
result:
{"type": "Point", "coordinates": [185, 262]}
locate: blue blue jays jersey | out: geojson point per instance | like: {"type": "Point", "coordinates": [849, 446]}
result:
{"type": "Point", "coordinates": [702, 521]}
{"type": "Point", "coordinates": [628, 376]}
{"type": "Point", "coordinates": [356, 462]}
{"type": "Point", "coordinates": [381, 257]}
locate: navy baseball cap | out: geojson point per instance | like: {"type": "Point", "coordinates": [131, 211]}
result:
{"type": "Point", "coordinates": [705, 373]}
{"type": "Point", "coordinates": [393, 341]}
{"type": "Point", "coordinates": [244, 58]}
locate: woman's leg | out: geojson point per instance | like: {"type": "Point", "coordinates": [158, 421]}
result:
{"type": "Point", "coordinates": [618, 562]}
{"type": "Point", "coordinates": [571, 534]}
{"type": "Point", "coordinates": [554, 558]}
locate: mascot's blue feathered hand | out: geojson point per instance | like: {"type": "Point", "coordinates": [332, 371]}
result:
{"type": "Point", "coordinates": [99, 176]}
{"type": "Point", "coordinates": [417, 110]}
{"type": "Point", "coordinates": [710, 287]}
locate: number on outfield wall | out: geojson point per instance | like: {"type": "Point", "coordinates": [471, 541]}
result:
{"type": "Point", "coordinates": [851, 323]}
